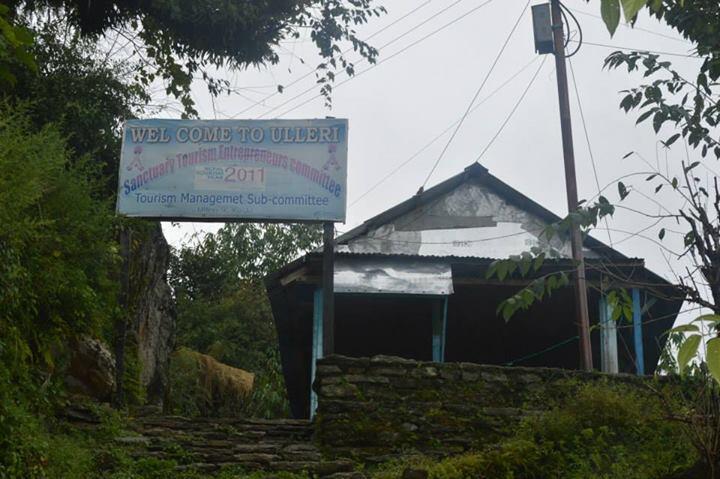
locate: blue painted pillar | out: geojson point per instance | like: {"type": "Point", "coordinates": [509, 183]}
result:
{"type": "Point", "coordinates": [637, 333]}
{"type": "Point", "coordinates": [608, 339]}
{"type": "Point", "coordinates": [317, 344]}
{"type": "Point", "coordinates": [439, 329]}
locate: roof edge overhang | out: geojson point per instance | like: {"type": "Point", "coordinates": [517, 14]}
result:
{"type": "Point", "coordinates": [472, 270]}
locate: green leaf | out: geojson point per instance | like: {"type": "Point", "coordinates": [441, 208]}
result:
{"type": "Point", "coordinates": [644, 116]}
{"type": "Point", "coordinates": [691, 166]}
{"type": "Point", "coordinates": [622, 190]}
{"type": "Point", "coordinates": [671, 140]}
{"type": "Point", "coordinates": [711, 318]}
{"type": "Point", "coordinates": [610, 11]}
{"type": "Point", "coordinates": [685, 328]}
{"type": "Point", "coordinates": [631, 8]}
{"type": "Point", "coordinates": [661, 234]}
{"type": "Point", "coordinates": [713, 358]}
{"type": "Point", "coordinates": [687, 351]}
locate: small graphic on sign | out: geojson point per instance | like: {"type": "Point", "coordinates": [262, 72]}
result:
{"type": "Point", "coordinates": [332, 162]}
{"type": "Point", "coordinates": [137, 160]}
{"type": "Point", "coordinates": [229, 178]}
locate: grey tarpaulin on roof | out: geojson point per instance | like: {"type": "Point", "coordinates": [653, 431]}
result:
{"type": "Point", "coordinates": [393, 276]}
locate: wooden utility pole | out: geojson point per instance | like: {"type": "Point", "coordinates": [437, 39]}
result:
{"type": "Point", "coordinates": [581, 301]}
{"type": "Point", "coordinates": [328, 289]}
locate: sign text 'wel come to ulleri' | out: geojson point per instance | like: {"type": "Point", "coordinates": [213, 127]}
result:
{"type": "Point", "coordinates": [293, 170]}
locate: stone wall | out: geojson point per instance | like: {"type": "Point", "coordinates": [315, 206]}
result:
{"type": "Point", "coordinates": [374, 407]}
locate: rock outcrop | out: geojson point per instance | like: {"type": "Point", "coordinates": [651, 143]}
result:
{"type": "Point", "coordinates": [154, 311]}
{"type": "Point", "coordinates": [92, 368]}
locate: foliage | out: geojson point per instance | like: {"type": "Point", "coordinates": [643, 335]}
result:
{"type": "Point", "coordinates": [55, 241]}
{"type": "Point", "coordinates": [689, 106]}
{"type": "Point", "coordinates": [610, 10]}
{"type": "Point", "coordinates": [696, 20]}
{"type": "Point", "coordinates": [202, 386]}
{"type": "Point", "coordinates": [223, 310]}
{"type": "Point", "coordinates": [15, 42]}
{"type": "Point", "coordinates": [237, 251]}
{"type": "Point", "coordinates": [178, 39]}
{"type": "Point", "coordinates": [86, 95]}
{"type": "Point", "coordinates": [55, 276]}
{"type": "Point", "coordinates": [41, 446]}
{"type": "Point", "coordinates": [604, 431]}
{"type": "Point", "coordinates": [523, 265]}
{"type": "Point", "coordinates": [237, 329]}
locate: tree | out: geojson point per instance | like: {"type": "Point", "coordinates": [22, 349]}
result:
{"type": "Point", "coordinates": [178, 40]}
{"type": "Point", "coordinates": [223, 309]}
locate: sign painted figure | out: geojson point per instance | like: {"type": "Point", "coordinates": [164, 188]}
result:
{"type": "Point", "coordinates": [137, 159]}
{"type": "Point", "coordinates": [332, 161]}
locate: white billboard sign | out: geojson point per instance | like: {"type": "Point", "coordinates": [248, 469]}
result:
{"type": "Point", "coordinates": [294, 170]}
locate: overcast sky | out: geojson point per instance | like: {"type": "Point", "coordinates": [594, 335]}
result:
{"type": "Point", "coordinates": [397, 107]}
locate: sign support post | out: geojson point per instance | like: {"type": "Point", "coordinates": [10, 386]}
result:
{"type": "Point", "coordinates": [328, 288]}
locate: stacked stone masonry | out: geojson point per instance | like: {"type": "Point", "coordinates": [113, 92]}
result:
{"type": "Point", "coordinates": [376, 408]}
{"type": "Point", "coordinates": [209, 444]}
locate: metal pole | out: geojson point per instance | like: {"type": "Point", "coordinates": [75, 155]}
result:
{"type": "Point", "coordinates": [328, 289]}
{"type": "Point", "coordinates": [581, 301]}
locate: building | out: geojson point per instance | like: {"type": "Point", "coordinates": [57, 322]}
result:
{"type": "Point", "coordinates": [412, 282]}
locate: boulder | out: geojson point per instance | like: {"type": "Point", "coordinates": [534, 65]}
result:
{"type": "Point", "coordinates": [92, 368]}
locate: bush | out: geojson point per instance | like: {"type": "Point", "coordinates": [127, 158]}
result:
{"type": "Point", "coordinates": [202, 386]}
{"type": "Point", "coordinates": [604, 431]}
{"type": "Point", "coordinates": [56, 263]}
{"type": "Point", "coordinates": [236, 329]}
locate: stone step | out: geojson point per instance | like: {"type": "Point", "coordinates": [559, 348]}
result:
{"type": "Point", "coordinates": [208, 444]}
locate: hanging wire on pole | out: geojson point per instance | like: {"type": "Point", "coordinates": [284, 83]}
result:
{"type": "Point", "coordinates": [347, 50]}
{"type": "Point", "coordinates": [587, 141]}
{"type": "Point", "coordinates": [475, 96]}
{"type": "Point", "coordinates": [512, 112]}
{"type": "Point", "coordinates": [388, 58]}
{"type": "Point", "coordinates": [442, 133]}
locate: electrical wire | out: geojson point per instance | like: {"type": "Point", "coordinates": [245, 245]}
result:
{"type": "Point", "coordinates": [478, 240]}
{"type": "Point", "coordinates": [403, 50]}
{"type": "Point", "coordinates": [477, 93]}
{"type": "Point", "coordinates": [427, 2]}
{"type": "Point", "coordinates": [593, 327]}
{"type": "Point", "coordinates": [651, 32]}
{"type": "Point", "coordinates": [441, 134]}
{"type": "Point", "coordinates": [619, 47]}
{"type": "Point", "coordinates": [565, 12]}
{"type": "Point", "coordinates": [512, 112]}
{"type": "Point", "coordinates": [380, 48]}
{"type": "Point", "coordinates": [587, 141]}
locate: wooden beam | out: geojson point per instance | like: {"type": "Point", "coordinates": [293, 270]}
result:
{"type": "Point", "coordinates": [299, 275]}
